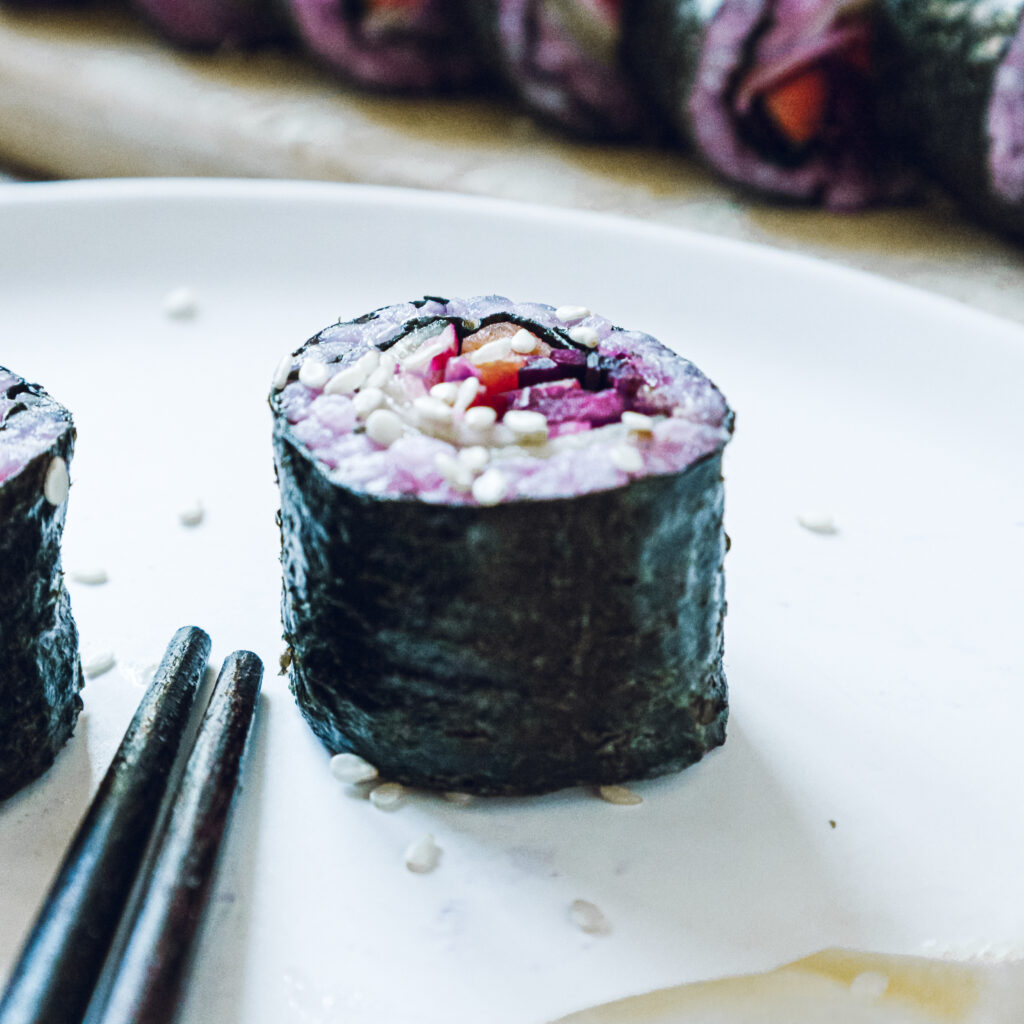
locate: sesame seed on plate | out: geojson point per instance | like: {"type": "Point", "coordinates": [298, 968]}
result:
{"type": "Point", "coordinates": [588, 917]}
{"type": "Point", "coordinates": [584, 336]}
{"type": "Point", "coordinates": [57, 483]}
{"type": "Point", "coordinates": [818, 522]}
{"type": "Point", "coordinates": [621, 795]}
{"type": "Point", "coordinates": [181, 303]}
{"type": "Point", "coordinates": [348, 767]}
{"type": "Point", "coordinates": [423, 855]}
{"type": "Point", "coordinates": [99, 663]}
{"type": "Point", "coordinates": [93, 576]}
{"type": "Point", "coordinates": [388, 796]}
{"type": "Point", "coordinates": [192, 515]}
{"type": "Point", "coordinates": [570, 314]}
{"type": "Point", "coordinates": [314, 374]}
{"type": "Point", "coordinates": [490, 487]}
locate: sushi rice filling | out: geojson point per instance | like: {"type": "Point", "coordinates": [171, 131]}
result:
{"type": "Point", "coordinates": [467, 408]}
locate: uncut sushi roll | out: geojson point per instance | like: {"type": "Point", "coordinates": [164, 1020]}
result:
{"type": "Point", "coordinates": [210, 24]}
{"type": "Point", "coordinates": [41, 675]}
{"type": "Point", "coordinates": [395, 45]}
{"type": "Point", "coordinates": [562, 59]}
{"type": "Point", "coordinates": [955, 88]}
{"type": "Point", "coordinates": [502, 546]}
{"type": "Point", "coordinates": [775, 95]}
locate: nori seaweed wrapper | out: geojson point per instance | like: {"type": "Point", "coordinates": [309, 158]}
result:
{"type": "Point", "coordinates": [954, 86]}
{"type": "Point", "coordinates": [563, 60]}
{"type": "Point", "coordinates": [414, 46]}
{"type": "Point", "coordinates": [777, 96]}
{"type": "Point", "coordinates": [516, 647]}
{"type": "Point", "coordinates": [41, 677]}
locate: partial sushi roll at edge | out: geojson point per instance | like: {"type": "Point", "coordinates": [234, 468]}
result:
{"type": "Point", "coordinates": [502, 545]}
{"type": "Point", "coordinates": [41, 676]}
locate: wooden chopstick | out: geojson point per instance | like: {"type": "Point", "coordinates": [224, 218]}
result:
{"type": "Point", "coordinates": [54, 977]}
{"type": "Point", "coordinates": [142, 977]}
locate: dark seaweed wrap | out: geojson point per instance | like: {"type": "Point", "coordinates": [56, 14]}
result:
{"type": "Point", "coordinates": [40, 677]}
{"type": "Point", "coordinates": [954, 77]}
{"type": "Point", "coordinates": [716, 68]}
{"type": "Point", "coordinates": [563, 60]}
{"type": "Point", "coordinates": [516, 648]}
{"type": "Point", "coordinates": [211, 24]}
{"type": "Point", "coordinates": [416, 46]}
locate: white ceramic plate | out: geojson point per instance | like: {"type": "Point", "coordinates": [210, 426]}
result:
{"type": "Point", "coordinates": [875, 674]}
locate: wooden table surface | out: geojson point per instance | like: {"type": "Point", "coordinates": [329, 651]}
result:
{"type": "Point", "coordinates": [94, 94]}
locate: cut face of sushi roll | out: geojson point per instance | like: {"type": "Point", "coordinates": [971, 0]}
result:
{"type": "Point", "coordinates": [41, 677]}
{"type": "Point", "coordinates": [502, 545]}
{"type": "Point", "coordinates": [401, 45]}
{"type": "Point", "coordinates": [776, 95]}
{"type": "Point", "coordinates": [208, 24]}
{"type": "Point", "coordinates": [955, 94]}
{"type": "Point", "coordinates": [562, 59]}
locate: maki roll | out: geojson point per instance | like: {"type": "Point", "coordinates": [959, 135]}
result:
{"type": "Point", "coordinates": [562, 59]}
{"type": "Point", "coordinates": [209, 24]}
{"type": "Point", "coordinates": [502, 545]}
{"type": "Point", "coordinates": [397, 45]}
{"type": "Point", "coordinates": [41, 676]}
{"type": "Point", "coordinates": [955, 87]}
{"type": "Point", "coordinates": [775, 95]}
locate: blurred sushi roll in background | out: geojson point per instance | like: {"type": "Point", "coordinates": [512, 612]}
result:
{"type": "Point", "coordinates": [775, 95]}
{"type": "Point", "coordinates": [954, 88]}
{"type": "Point", "coordinates": [563, 60]}
{"type": "Point", "coordinates": [209, 24]}
{"type": "Point", "coordinates": [396, 45]}
{"type": "Point", "coordinates": [41, 677]}
{"type": "Point", "coordinates": [502, 545]}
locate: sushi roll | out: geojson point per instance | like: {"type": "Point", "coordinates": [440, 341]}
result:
{"type": "Point", "coordinates": [41, 676]}
{"type": "Point", "coordinates": [563, 60]}
{"type": "Point", "coordinates": [210, 24]}
{"type": "Point", "coordinates": [955, 88]}
{"type": "Point", "coordinates": [502, 545]}
{"type": "Point", "coordinates": [777, 96]}
{"type": "Point", "coordinates": [394, 45]}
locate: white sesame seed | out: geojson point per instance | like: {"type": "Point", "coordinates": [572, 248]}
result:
{"type": "Point", "coordinates": [388, 796]}
{"type": "Point", "coordinates": [500, 348]}
{"type": "Point", "coordinates": [384, 372]}
{"type": "Point", "coordinates": [480, 417]}
{"type": "Point", "coordinates": [423, 855]}
{"type": "Point", "coordinates": [92, 576]}
{"type": "Point", "coordinates": [446, 391]}
{"type": "Point", "coordinates": [192, 515]}
{"type": "Point", "coordinates": [637, 422]}
{"type": "Point", "coordinates": [57, 482]}
{"type": "Point", "coordinates": [99, 663]}
{"type": "Point", "coordinates": [384, 427]}
{"type": "Point", "coordinates": [367, 400]}
{"type": "Point", "coordinates": [818, 522]}
{"type": "Point", "coordinates": [456, 474]}
{"type": "Point", "coordinates": [468, 390]}
{"type": "Point", "coordinates": [869, 985]}
{"type": "Point", "coordinates": [626, 457]}
{"type": "Point", "coordinates": [570, 314]}
{"type": "Point", "coordinates": [459, 799]}
{"type": "Point", "coordinates": [282, 372]}
{"type": "Point", "coordinates": [314, 374]}
{"type": "Point", "coordinates": [180, 303]}
{"type": "Point", "coordinates": [584, 336]}
{"type": "Point", "coordinates": [588, 917]}
{"type": "Point", "coordinates": [621, 795]}
{"type": "Point", "coordinates": [475, 457]}
{"type": "Point", "coordinates": [350, 767]}
{"type": "Point", "coordinates": [433, 409]}
{"type": "Point", "coordinates": [524, 342]}
{"type": "Point", "coordinates": [353, 377]}
{"type": "Point", "coordinates": [490, 488]}
{"type": "Point", "coordinates": [425, 353]}
{"type": "Point", "coordinates": [527, 424]}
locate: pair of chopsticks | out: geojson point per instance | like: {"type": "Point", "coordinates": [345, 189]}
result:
{"type": "Point", "coordinates": [111, 944]}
